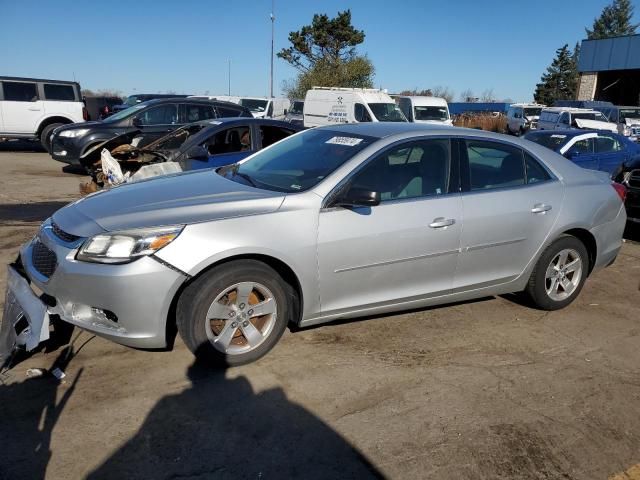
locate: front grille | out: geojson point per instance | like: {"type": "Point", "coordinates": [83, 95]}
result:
{"type": "Point", "coordinates": [634, 179]}
{"type": "Point", "coordinates": [43, 259]}
{"type": "Point", "coordinates": [62, 235]}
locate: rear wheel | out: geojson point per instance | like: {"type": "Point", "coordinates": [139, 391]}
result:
{"type": "Point", "coordinates": [45, 135]}
{"type": "Point", "coordinates": [559, 274]}
{"type": "Point", "coordinates": [235, 313]}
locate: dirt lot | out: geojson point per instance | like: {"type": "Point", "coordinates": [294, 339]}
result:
{"type": "Point", "coordinates": [488, 389]}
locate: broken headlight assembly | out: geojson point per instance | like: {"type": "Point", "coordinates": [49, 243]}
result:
{"type": "Point", "coordinates": [124, 247]}
{"type": "Point", "coordinates": [78, 132]}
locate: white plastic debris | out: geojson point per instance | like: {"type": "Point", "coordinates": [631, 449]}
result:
{"type": "Point", "coordinates": [36, 372]}
{"type": "Point", "coordinates": [111, 169]}
{"type": "Point", "coordinates": [155, 170]}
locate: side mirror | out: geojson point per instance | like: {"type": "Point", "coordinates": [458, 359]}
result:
{"type": "Point", "coordinates": [357, 197]}
{"type": "Point", "coordinates": [198, 152]}
{"type": "Point", "coordinates": [136, 122]}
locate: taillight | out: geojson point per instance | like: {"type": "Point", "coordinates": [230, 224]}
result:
{"type": "Point", "coordinates": [85, 114]}
{"type": "Point", "coordinates": [620, 189]}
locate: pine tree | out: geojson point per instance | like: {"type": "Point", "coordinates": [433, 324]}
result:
{"type": "Point", "coordinates": [560, 81]}
{"type": "Point", "coordinates": [614, 21]}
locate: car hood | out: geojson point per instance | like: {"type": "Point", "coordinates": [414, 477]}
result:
{"type": "Point", "coordinates": [171, 200]}
{"type": "Point", "coordinates": [532, 118]}
{"type": "Point", "coordinates": [632, 121]}
{"type": "Point", "coordinates": [596, 125]}
{"type": "Point", "coordinates": [74, 126]}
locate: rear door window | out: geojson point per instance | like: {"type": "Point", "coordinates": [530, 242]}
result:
{"type": "Point", "coordinates": [494, 165]}
{"type": "Point", "coordinates": [581, 147]}
{"type": "Point", "coordinates": [161, 115]}
{"type": "Point", "coordinates": [535, 172]}
{"type": "Point", "coordinates": [196, 113]}
{"type": "Point", "coordinates": [230, 140]}
{"type": "Point", "coordinates": [20, 91]}
{"type": "Point", "coordinates": [607, 144]}
{"type": "Point", "coordinates": [64, 93]}
{"type": "Point", "coordinates": [228, 112]}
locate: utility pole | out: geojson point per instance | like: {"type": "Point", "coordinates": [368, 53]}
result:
{"type": "Point", "coordinates": [273, 19]}
{"type": "Point", "coordinates": [229, 76]}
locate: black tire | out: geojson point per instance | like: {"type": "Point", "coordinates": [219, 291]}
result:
{"type": "Point", "coordinates": [46, 133]}
{"type": "Point", "coordinates": [195, 300]}
{"type": "Point", "coordinates": [537, 287]}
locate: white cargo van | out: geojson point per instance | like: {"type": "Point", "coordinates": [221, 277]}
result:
{"type": "Point", "coordinates": [262, 107]}
{"type": "Point", "coordinates": [32, 108]}
{"type": "Point", "coordinates": [522, 117]}
{"type": "Point", "coordinates": [425, 109]}
{"type": "Point", "coordinates": [562, 118]}
{"type": "Point", "coordinates": [334, 105]}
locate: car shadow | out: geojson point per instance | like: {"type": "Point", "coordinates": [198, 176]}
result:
{"type": "Point", "coordinates": [632, 232]}
{"type": "Point", "coordinates": [30, 411]}
{"type": "Point", "coordinates": [75, 170]}
{"type": "Point", "coordinates": [221, 428]}
{"type": "Point", "coordinates": [21, 146]}
{"type": "Point", "coordinates": [17, 214]}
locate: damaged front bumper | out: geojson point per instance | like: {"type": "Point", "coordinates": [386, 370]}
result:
{"type": "Point", "coordinates": [25, 321]}
{"type": "Point", "coordinates": [126, 303]}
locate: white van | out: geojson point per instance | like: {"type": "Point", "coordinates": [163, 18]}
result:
{"type": "Point", "coordinates": [32, 108]}
{"type": "Point", "coordinates": [562, 118]}
{"type": "Point", "coordinates": [332, 105]}
{"type": "Point", "coordinates": [425, 109]}
{"type": "Point", "coordinates": [522, 117]}
{"type": "Point", "coordinates": [262, 107]}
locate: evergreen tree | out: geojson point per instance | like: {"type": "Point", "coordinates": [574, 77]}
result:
{"type": "Point", "coordinates": [324, 53]}
{"type": "Point", "coordinates": [560, 81]}
{"type": "Point", "coordinates": [614, 21]}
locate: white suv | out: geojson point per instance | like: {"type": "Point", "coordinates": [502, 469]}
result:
{"type": "Point", "coordinates": [32, 108]}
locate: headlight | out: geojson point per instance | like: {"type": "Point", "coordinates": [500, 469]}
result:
{"type": "Point", "coordinates": [74, 133]}
{"type": "Point", "coordinates": [123, 247]}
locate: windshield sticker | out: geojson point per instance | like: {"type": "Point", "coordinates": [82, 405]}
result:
{"type": "Point", "coordinates": [349, 141]}
{"type": "Point", "coordinates": [558, 136]}
{"type": "Point", "coordinates": [296, 187]}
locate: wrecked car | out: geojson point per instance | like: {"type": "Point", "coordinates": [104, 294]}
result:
{"type": "Point", "coordinates": [207, 144]}
{"type": "Point", "coordinates": [334, 222]}
{"type": "Point", "coordinates": [74, 143]}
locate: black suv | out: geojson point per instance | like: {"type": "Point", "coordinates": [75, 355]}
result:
{"type": "Point", "coordinates": [153, 119]}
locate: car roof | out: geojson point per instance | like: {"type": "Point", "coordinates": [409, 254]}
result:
{"type": "Point", "coordinates": [202, 101]}
{"type": "Point", "coordinates": [386, 129]}
{"type": "Point", "coordinates": [214, 122]}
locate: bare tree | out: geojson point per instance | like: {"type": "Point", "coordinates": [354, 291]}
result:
{"type": "Point", "coordinates": [444, 92]}
{"type": "Point", "coordinates": [488, 95]}
{"type": "Point", "coordinates": [466, 95]}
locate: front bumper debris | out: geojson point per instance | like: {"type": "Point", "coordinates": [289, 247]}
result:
{"type": "Point", "coordinates": [25, 322]}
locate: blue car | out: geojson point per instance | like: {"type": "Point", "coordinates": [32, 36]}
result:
{"type": "Point", "coordinates": [592, 149]}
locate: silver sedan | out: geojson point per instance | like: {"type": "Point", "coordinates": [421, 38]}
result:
{"type": "Point", "coordinates": [334, 222]}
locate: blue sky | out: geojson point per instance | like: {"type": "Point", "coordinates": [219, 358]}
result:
{"type": "Point", "coordinates": [183, 46]}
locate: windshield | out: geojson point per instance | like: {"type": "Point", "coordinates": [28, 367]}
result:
{"type": "Point", "coordinates": [431, 113]}
{"type": "Point", "coordinates": [300, 162]}
{"type": "Point", "coordinates": [296, 108]}
{"type": "Point", "coordinates": [387, 112]}
{"type": "Point", "coordinates": [629, 113]}
{"type": "Point", "coordinates": [254, 105]}
{"type": "Point", "coordinates": [177, 138]}
{"type": "Point", "coordinates": [532, 112]}
{"type": "Point", "coordinates": [590, 116]}
{"type": "Point", "coordinates": [553, 141]}
{"type": "Point", "coordinates": [124, 113]}
{"type": "Point", "coordinates": [131, 100]}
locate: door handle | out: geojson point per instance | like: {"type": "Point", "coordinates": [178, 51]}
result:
{"type": "Point", "coordinates": [540, 208]}
{"type": "Point", "coordinates": [441, 222]}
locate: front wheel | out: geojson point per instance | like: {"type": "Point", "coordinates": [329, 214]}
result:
{"type": "Point", "coordinates": [235, 313]}
{"type": "Point", "coordinates": [45, 135]}
{"type": "Point", "coordinates": [559, 274]}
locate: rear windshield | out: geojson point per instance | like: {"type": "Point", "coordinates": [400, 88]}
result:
{"type": "Point", "coordinates": [431, 113]}
{"type": "Point", "coordinates": [629, 113]}
{"type": "Point", "coordinates": [552, 141]}
{"type": "Point", "coordinates": [387, 112]}
{"type": "Point", "coordinates": [256, 106]}
{"type": "Point", "coordinates": [299, 162]}
{"type": "Point", "coordinates": [296, 108]}
{"type": "Point", "coordinates": [532, 112]}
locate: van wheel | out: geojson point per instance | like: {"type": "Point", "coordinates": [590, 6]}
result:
{"type": "Point", "coordinates": [559, 274]}
{"type": "Point", "coordinates": [45, 135]}
{"type": "Point", "coordinates": [235, 313]}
